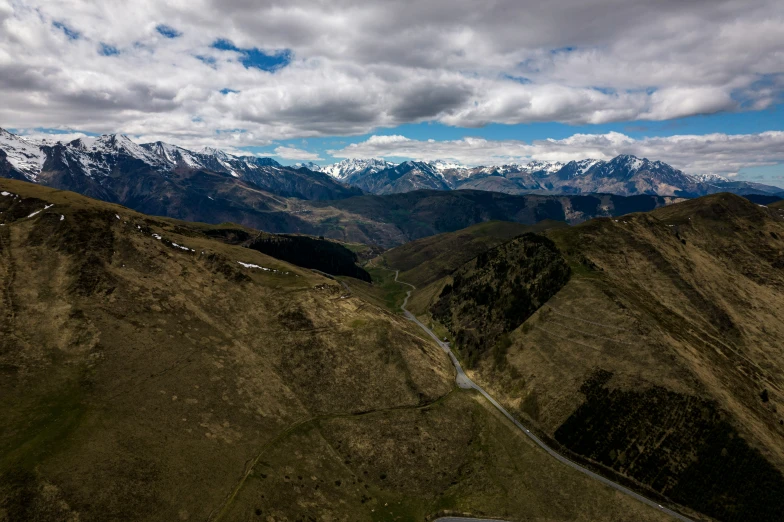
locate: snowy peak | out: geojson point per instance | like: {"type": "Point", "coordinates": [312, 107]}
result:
{"type": "Point", "coordinates": [353, 167]}
{"type": "Point", "coordinates": [308, 165]}
{"type": "Point", "coordinates": [173, 155]}
{"type": "Point", "coordinates": [628, 162]}
{"type": "Point", "coordinates": [122, 144]}
{"type": "Point", "coordinates": [710, 178]}
{"type": "Point", "coordinates": [549, 167]}
{"type": "Point", "coordinates": [24, 155]}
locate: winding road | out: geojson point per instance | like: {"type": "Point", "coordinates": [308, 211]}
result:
{"type": "Point", "coordinates": [463, 381]}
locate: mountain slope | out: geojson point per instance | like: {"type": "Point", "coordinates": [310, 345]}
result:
{"type": "Point", "coordinates": [394, 219]}
{"type": "Point", "coordinates": [659, 361]}
{"type": "Point", "coordinates": [150, 372]}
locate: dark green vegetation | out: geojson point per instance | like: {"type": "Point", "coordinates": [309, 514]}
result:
{"type": "Point", "coordinates": [309, 252]}
{"type": "Point", "coordinates": [426, 260]}
{"type": "Point", "coordinates": [498, 290]}
{"type": "Point", "coordinates": [708, 466]}
{"type": "Point", "coordinates": [160, 379]}
{"type": "Point", "coordinates": [763, 199]}
{"type": "Point", "coordinates": [684, 307]}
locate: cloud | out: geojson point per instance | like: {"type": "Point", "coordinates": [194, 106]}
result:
{"type": "Point", "coordinates": [293, 153]}
{"type": "Point", "coordinates": [310, 68]}
{"type": "Point", "coordinates": [713, 153]}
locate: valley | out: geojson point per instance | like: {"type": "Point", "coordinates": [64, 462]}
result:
{"type": "Point", "coordinates": [158, 371]}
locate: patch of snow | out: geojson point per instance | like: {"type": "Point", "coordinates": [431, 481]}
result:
{"type": "Point", "coordinates": [251, 265]}
{"type": "Point", "coordinates": [182, 247]}
{"type": "Point", "coordinates": [35, 213]}
{"type": "Point", "coordinates": [635, 164]}
{"type": "Point", "coordinates": [4, 193]}
{"type": "Point", "coordinates": [117, 216]}
{"type": "Point", "coordinates": [157, 236]}
{"type": "Point", "coordinates": [62, 217]}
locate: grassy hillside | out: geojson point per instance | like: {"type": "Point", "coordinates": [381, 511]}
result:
{"type": "Point", "coordinates": [151, 372]}
{"type": "Point", "coordinates": [660, 360]}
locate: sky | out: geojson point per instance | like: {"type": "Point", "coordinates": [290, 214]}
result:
{"type": "Point", "coordinates": [696, 83]}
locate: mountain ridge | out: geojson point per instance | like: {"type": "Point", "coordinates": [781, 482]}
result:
{"type": "Point", "coordinates": [622, 175]}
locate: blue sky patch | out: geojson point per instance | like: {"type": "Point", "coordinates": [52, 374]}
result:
{"type": "Point", "coordinates": [209, 60]}
{"type": "Point", "coordinates": [107, 50]}
{"type": "Point", "coordinates": [70, 33]}
{"type": "Point", "coordinates": [253, 57]}
{"type": "Point", "coordinates": [227, 91]}
{"type": "Point", "coordinates": [168, 31]}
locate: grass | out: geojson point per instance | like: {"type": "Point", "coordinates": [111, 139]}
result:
{"type": "Point", "coordinates": [195, 362]}
{"type": "Point", "coordinates": [384, 291]}
{"type": "Point", "coordinates": [454, 456]}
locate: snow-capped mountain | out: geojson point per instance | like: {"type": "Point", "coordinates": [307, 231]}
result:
{"type": "Point", "coordinates": [624, 175]}
{"type": "Point", "coordinates": [349, 168]}
{"type": "Point", "coordinates": [548, 167]}
{"type": "Point", "coordinates": [114, 166]}
{"type": "Point", "coordinates": [710, 178]}
{"type": "Point", "coordinates": [408, 176]}
{"type": "Point", "coordinates": [308, 165]}
{"type": "Point", "coordinates": [24, 155]}
{"type": "Point", "coordinates": [101, 166]}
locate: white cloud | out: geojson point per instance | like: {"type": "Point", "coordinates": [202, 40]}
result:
{"type": "Point", "coordinates": [712, 153]}
{"type": "Point", "coordinates": [293, 153]}
{"type": "Point", "coordinates": [360, 65]}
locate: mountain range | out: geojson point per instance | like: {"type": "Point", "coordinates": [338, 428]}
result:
{"type": "Point", "coordinates": [115, 168]}
{"type": "Point", "coordinates": [368, 201]}
{"type": "Point", "coordinates": [624, 175]}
